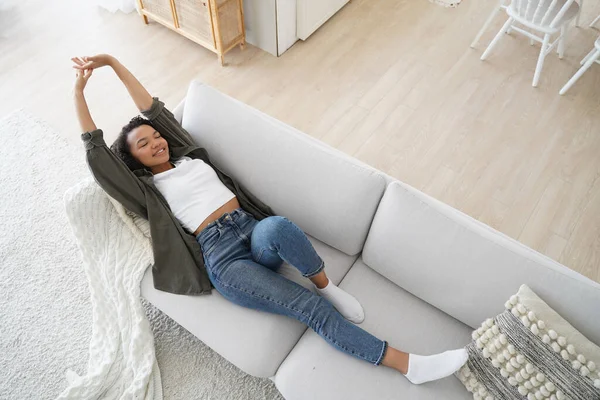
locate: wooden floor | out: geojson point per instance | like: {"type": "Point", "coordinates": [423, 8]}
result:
{"type": "Point", "coordinates": [391, 82]}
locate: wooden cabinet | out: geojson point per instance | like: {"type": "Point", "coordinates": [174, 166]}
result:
{"type": "Point", "coordinates": [217, 25]}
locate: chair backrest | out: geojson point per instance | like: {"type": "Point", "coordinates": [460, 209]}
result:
{"type": "Point", "coordinates": [546, 13]}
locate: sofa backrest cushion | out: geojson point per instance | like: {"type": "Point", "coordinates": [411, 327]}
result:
{"type": "Point", "coordinates": [466, 268]}
{"type": "Point", "coordinates": [326, 194]}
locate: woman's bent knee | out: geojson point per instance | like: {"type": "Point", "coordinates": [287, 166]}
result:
{"type": "Point", "coordinates": [270, 226]}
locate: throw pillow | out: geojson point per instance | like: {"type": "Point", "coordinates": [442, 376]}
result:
{"type": "Point", "coordinates": [530, 352]}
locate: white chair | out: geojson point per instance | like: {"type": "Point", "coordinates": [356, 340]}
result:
{"type": "Point", "coordinates": [579, 13]}
{"type": "Point", "coordinates": [544, 16]}
{"type": "Point", "coordinates": [594, 21]}
{"type": "Point", "coordinates": [502, 4]}
{"type": "Point", "coordinates": [592, 57]}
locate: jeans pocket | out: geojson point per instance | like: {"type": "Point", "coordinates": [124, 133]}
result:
{"type": "Point", "coordinates": [210, 242]}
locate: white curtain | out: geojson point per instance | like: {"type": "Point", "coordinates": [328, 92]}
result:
{"type": "Point", "coordinates": [113, 6]}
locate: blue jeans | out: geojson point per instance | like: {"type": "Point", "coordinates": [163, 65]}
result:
{"type": "Point", "coordinates": [242, 256]}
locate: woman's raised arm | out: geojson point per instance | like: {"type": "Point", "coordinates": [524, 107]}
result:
{"type": "Point", "coordinates": [83, 113]}
{"type": "Point", "coordinates": [139, 94]}
{"type": "Point", "coordinates": [109, 171]}
{"type": "Point", "coordinates": [151, 107]}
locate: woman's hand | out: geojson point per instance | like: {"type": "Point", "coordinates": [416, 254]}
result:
{"type": "Point", "coordinates": [93, 62]}
{"type": "Point", "coordinates": [81, 78]}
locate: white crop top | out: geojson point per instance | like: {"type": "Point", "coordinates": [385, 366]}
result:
{"type": "Point", "coordinates": [193, 191]}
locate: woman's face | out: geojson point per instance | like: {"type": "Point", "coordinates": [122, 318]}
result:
{"type": "Point", "coordinates": [148, 146]}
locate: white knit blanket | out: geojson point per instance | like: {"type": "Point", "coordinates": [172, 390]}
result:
{"type": "Point", "coordinates": [116, 251]}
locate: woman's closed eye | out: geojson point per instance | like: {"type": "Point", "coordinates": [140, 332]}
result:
{"type": "Point", "coordinates": [145, 142]}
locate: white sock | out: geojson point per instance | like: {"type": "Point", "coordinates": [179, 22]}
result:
{"type": "Point", "coordinates": [423, 369]}
{"type": "Point", "coordinates": [344, 302]}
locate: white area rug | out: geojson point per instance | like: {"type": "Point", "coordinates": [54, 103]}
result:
{"type": "Point", "coordinates": [45, 312]}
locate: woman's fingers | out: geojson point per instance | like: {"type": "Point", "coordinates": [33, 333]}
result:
{"type": "Point", "coordinates": [82, 60]}
{"type": "Point", "coordinates": [82, 73]}
{"type": "Point", "coordinates": [77, 61]}
{"type": "Point", "coordinates": [84, 66]}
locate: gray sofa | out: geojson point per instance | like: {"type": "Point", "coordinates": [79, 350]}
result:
{"type": "Point", "coordinates": [425, 273]}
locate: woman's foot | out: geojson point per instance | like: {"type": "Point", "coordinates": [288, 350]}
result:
{"type": "Point", "coordinates": [423, 369]}
{"type": "Point", "coordinates": [344, 302]}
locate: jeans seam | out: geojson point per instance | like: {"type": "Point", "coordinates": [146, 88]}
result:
{"type": "Point", "coordinates": [318, 270]}
{"type": "Point", "coordinates": [207, 253]}
{"type": "Point", "coordinates": [304, 234]}
{"type": "Point", "coordinates": [380, 359]}
{"type": "Point", "coordinates": [262, 251]}
{"type": "Point", "coordinates": [214, 246]}
{"type": "Point", "coordinates": [262, 297]}
{"type": "Point", "coordinates": [345, 348]}
{"type": "Point", "coordinates": [240, 233]}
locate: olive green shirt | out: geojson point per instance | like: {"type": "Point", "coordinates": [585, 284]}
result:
{"type": "Point", "coordinates": [178, 261]}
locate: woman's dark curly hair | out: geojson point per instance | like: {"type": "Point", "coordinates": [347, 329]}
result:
{"type": "Point", "coordinates": [121, 148]}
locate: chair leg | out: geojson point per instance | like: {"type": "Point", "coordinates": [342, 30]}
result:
{"type": "Point", "coordinates": [587, 56]}
{"type": "Point", "coordinates": [578, 74]}
{"type": "Point", "coordinates": [540, 63]}
{"type": "Point", "coordinates": [506, 25]}
{"type": "Point", "coordinates": [594, 21]}
{"type": "Point", "coordinates": [579, 13]}
{"type": "Point", "coordinates": [561, 42]}
{"type": "Point", "coordinates": [487, 22]}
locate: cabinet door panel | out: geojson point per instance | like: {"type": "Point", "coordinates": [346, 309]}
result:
{"type": "Point", "coordinates": [313, 13]}
{"type": "Point", "coordinates": [194, 18]}
{"type": "Point", "coordinates": [160, 8]}
{"type": "Point", "coordinates": [230, 24]}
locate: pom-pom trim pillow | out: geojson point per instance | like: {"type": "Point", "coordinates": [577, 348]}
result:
{"type": "Point", "coordinates": [530, 352]}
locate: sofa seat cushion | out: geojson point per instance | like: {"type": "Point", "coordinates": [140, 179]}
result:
{"type": "Point", "coordinates": [316, 370]}
{"type": "Point", "coordinates": [326, 194]}
{"type": "Point", "coordinates": [465, 267]}
{"type": "Point", "coordinates": [255, 341]}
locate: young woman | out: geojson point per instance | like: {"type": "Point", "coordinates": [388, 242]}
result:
{"type": "Point", "coordinates": [155, 169]}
